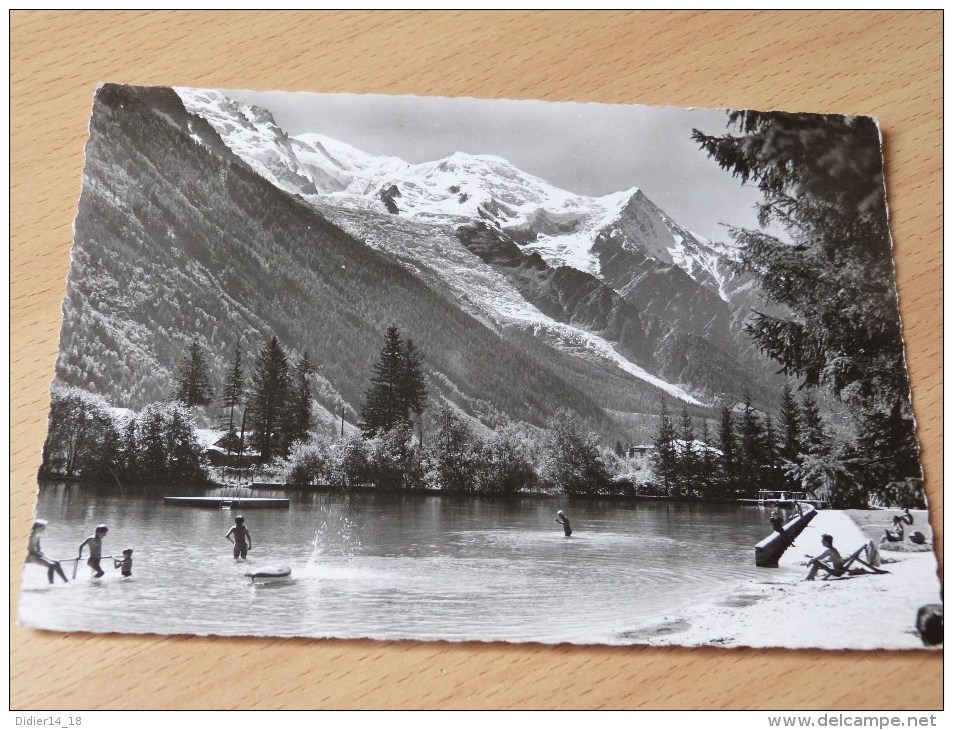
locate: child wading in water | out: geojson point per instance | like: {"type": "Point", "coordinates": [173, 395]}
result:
{"type": "Point", "coordinates": [564, 521]}
{"type": "Point", "coordinates": [95, 542]}
{"type": "Point", "coordinates": [242, 538]}
{"type": "Point", "coordinates": [125, 563]}
{"type": "Point", "coordinates": [35, 553]}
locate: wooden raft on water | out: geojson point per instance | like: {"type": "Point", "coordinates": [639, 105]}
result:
{"type": "Point", "coordinates": [768, 551]}
{"type": "Point", "coordinates": [232, 502]}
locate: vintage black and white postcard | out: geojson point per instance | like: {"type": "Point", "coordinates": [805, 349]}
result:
{"type": "Point", "coordinates": [460, 369]}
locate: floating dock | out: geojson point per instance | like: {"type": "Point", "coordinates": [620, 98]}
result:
{"type": "Point", "coordinates": [768, 551]}
{"type": "Point", "coordinates": [230, 502]}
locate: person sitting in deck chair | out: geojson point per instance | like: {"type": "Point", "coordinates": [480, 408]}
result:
{"type": "Point", "coordinates": [836, 566]}
{"type": "Point", "coordinates": [906, 516]}
{"type": "Point", "coordinates": [896, 534]}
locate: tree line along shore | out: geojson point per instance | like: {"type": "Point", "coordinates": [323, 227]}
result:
{"type": "Point", "coordinates": [831, 324]}
{"type": "Point", "coordinates": [267, 424]}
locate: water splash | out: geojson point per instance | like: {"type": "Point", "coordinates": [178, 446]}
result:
{"type": "Point", "coordinates": [335, 535]}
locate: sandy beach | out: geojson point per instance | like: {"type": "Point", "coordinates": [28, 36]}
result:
{"type": "Point", "coordinates": [784, 610]}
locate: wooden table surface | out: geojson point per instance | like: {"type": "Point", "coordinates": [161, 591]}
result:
{"type": "Point", "coordinates": [887, 64]}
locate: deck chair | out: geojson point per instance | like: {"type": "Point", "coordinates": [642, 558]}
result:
{"type": "Point", "coordinates": [854, 557]}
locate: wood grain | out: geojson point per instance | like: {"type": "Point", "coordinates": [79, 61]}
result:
{"type": "Point", "coordinates": [887, 64]}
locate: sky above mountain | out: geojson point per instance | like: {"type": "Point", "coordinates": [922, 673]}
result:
{"type": "Point", "coordinates": [589, 149]}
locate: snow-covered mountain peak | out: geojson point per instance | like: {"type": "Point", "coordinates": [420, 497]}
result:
{"type": "Point", "coordinates": [564, 228]}
{"type": "Point", "coordinates": [321, 150]}
{"type": "Point", "coordinates": [253, 135]}
{"type": "Point", "coordinates": [489, 162]}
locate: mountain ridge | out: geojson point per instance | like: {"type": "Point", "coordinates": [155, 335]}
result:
{"type": "Point", "coordinates": [490, 186]}
{"type": "Point", "coordinates": [177, 239]}
{"type": "Point", "coordinates": [622, 239]}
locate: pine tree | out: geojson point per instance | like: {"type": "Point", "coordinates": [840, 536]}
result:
{"type": "Point", "coordinates": [665, 458]}
{"type": "Point", "coordinates": [814, 437]}
{"type": "Point", "coordinates": [729, 451]}
{"type": "Point", "coordinates": [706, 472]}
{"type": "Point", "coordinates": [821, 179]}
{"type": "Point", "coordinates": [687, 460]}
{"type": "Point", "coordinates": [751, 447]}
{"type": "Point", "coordinates": [789, 417]}
{"type": "Point", "coordinates": [825, 468]}
{"type": "Point", "coordinates": [893, 473]}
{"type": "Point", "coordinates": [268, 403]}
{"type": "Point", "coordinates": [300, 411]}
{"type": "Point", "coordinates": [398, 389]}
{"type": "Point", "coordinates": [413, 388]}
{"type": "Point", "coordinates": [384, 402]}
{"type": "Point", "coordinates": [192, 378]}
{"type": "Point", "coordinates": [181, 447]}
{"type": "Point", "coordinates": [771, 475]}
{"type": "Point", "coordinates": [233, 393]}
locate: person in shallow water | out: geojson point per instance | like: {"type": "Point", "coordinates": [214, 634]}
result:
{"type": "Point", "coordinates": [35, 553]}
{"type": "Point", "coordinates": [777, 518]}
{"type": "Point", "coordinates": [95, 542]}
{"type": "Point", "coordinates": [777, 523]}
{"type": "Point", "coordinates": [125, 563]}
{"type": "Point", "coordinates": [242, 538]}
{"type": "Point", "coordinates": [564, 521]}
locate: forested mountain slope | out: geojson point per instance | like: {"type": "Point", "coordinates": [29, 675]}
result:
{"type": "Point", "coordinates": [177, 239]}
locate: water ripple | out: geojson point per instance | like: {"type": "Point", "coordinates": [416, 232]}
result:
{"type": "Point", "coordinates": [395, 567]}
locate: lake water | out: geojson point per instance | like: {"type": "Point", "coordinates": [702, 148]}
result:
{"type": "Point", "coordinates": [393, 566]}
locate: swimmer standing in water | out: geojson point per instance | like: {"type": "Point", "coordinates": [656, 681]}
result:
{"type": "Point", "coordinates": [95, 543]}
{"type": "Point", "coordinates": [564, 521]}
{"type": "Point", "coordinates": [242, 538]}
{"type": "Point", "coordinates": [125, 563]}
